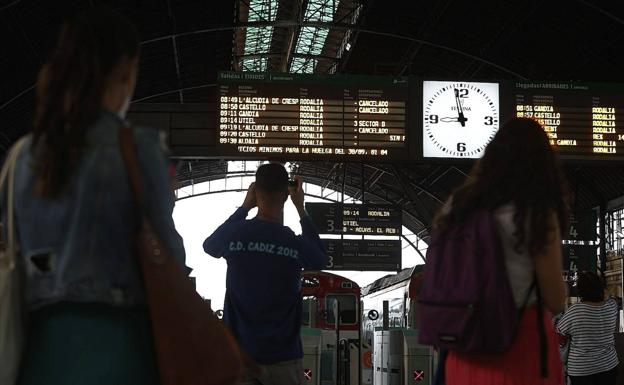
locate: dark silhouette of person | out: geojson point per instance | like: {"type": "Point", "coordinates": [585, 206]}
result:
{"type": "Point", "coordinates": [263, 305]}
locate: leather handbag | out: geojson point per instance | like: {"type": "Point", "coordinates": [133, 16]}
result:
{"type": "Point", "coordinates": [11, 301]}
{"type": "Point", "coordinates": [193, 347]}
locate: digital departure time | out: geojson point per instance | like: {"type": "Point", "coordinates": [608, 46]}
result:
{"type": "Point", "coordinates": [459, 118]}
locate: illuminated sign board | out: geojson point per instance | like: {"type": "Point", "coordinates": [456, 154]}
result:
{"type": "Point", "coordinates": [582, 226]}
{"type": "Point", "coordinates": [577, 258]}
{"type": "Point", "coordinates": [363, 254]}
{"type": "Point", "coordinates": [312, 117]}
{"type": "Point", "coordinates": [370, 254]}
{"type": "Point", "coordinates": [583, 121]}
{"type": "Point", "coordinates": [355, 219]}
{"type": "Point", "coordinates": [383, 119]}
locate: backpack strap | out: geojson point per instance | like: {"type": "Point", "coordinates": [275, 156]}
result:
{"type": "Point", "coordinates": [525, 302]}
{"type": "Point", "coordinates": [440, 373]}
{"type": "Point", "coordinates": [540, 324]}
{"type": "Point", "coordinates": [542, 333]}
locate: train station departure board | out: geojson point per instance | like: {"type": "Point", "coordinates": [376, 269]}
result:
{"type": "Point", "coordinates": [355, 219]}
{"type": "Point", "coordinates": [373, 119]}
{"type": "Point", "coordinates": [368, 253]}
{"type": "Point", "coordinates": [363, 254]}
{"type": "Point", "coordinates": [312, 117]}
{"type": "Point", "coordinates": [583, 121]}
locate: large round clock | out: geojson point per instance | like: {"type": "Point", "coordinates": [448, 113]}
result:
{"type": "Point", "coordinates": [459, 118]}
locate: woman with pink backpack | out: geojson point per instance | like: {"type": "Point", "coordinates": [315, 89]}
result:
{"type": "Point", "coordinates": [493, 272]}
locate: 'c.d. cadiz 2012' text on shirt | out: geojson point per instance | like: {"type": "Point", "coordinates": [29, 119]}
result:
{"type": "Point", "coordinates": [263, 301]}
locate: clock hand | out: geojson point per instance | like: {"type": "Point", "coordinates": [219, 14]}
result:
{"type": "Point", "coordinates": [449, 119]}
{"type": "Point", "coordinates": [461, 118]}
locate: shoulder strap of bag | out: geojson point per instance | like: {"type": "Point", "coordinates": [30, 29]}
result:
{"type": "Point", "coordinates": [543, 343]}
{"type": "Point", "coordinates": [7, 178]}
{"type": "Point", "coordinates": [542, 333]}
{"type": "Point", "coordinates": [527, 296]}
{"type": "Point", "coordinates": [128, 153]}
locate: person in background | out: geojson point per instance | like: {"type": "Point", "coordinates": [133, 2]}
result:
{"type": "Point", "coordinates": [76, 217]}
{"type": "Point", "coordinates": [591, 325]}
{"type": "Point", "coordinates": [263, 305]}
{"type": "Point", "coordinates": [519, 180]}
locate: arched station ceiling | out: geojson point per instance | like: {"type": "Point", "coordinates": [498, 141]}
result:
{"type": "Point", "coordinates": [186, 42]}
{"type": "Point", "coordinates": [419, 191]}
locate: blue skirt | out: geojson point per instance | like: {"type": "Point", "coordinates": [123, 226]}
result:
{"type": "Point", "coordinates": [88, 344]}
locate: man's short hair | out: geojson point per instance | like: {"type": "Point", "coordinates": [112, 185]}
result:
{"type": "Point", "coordinates": [272, 177]}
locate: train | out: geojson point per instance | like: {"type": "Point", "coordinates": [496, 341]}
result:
{"type": "Point", "coordinates": [331, 329]}
{"type": "Point", "coordinates": [390, 325]}
{"type": "Point", "coordinates": [367, 346]}
{"type": "Point", "coordinates": [401, 292]}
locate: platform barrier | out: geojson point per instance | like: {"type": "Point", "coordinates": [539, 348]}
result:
{"type": "Point", "coordinates": [311, 341]}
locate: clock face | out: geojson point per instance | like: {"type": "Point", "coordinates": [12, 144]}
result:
{"type": "Point", "coordinates": [459, 118]}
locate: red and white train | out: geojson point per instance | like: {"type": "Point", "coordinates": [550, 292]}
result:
{"type": "Point", "coordinates": [331, 351]}
{"type": "Point", "coordinates": [361, 350]}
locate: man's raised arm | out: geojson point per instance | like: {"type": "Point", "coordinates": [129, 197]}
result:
{"type": "Point", "coordinates": [216, 243]}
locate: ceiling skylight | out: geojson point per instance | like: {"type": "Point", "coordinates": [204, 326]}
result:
{"type": "Point", "coordinates": [312, 39]}
{"type": "Point", "coordinates": [258, 39]}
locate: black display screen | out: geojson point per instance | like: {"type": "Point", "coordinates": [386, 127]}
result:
{"type": "Point", "coordinates": [312, 117]}
{"type": "Point", "coordinates": [355, 219]}
{"type": "Point", "coordinates": [583, 121]}
{"type": "Point", "coordinates": [352, 118]}
{"type": "Point", "coordinates": [363, 254]}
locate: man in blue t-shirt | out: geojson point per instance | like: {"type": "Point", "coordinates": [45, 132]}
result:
{"type": "Point", "coordinates": [263, 305]}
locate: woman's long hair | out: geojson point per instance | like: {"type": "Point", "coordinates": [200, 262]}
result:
{"type": "Point", "coordinates": [70, 89]}
{"type": "Point", "coordinates": [519, 167]}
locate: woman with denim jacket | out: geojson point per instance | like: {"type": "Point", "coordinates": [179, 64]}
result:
{"type": "Point", "coordinates": [88, 322]}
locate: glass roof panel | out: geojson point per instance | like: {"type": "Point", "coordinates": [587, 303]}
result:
{"type": "Point", "coordinates": [312, 39]}
{"type": "Point", "coordinates": [303, 65]}
{"type": "Point", "coordinates": [258, 39]}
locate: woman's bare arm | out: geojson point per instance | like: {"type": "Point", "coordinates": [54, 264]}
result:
{"type": "Point", "coordinates": [548, 270]}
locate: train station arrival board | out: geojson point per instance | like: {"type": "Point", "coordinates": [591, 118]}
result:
{"type": "Point", "coordinates": [582, 120]}
{"type": "Point", "coordinates": [312, 117]}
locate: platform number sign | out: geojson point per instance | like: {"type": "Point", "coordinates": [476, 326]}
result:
{"type": "Point", "coordinates": [582, 226]}
{"type": "Point", "coordinates": [577, 258]}
{"type": "Point", "coordinates": [331, 225]}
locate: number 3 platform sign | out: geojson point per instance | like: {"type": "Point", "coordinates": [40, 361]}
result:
{"type": "Point", "coordinates": [366, 254]}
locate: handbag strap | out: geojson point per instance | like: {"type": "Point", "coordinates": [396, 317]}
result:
{"type": "Point", "coordinates": [128, 153]}
{"type": "Point", "coordinates": [7, 178]}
